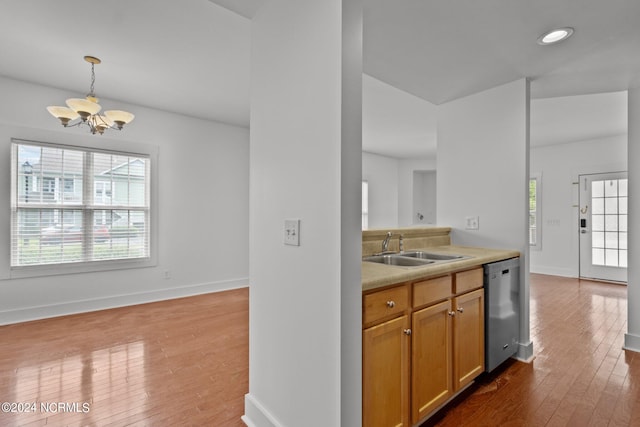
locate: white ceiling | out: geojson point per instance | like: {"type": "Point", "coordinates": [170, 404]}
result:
{"type": "Point", "coordinates": [192, 57]}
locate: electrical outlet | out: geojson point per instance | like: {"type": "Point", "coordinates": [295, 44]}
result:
{"type": "Point", "coordinates": [473, 223]}
{"type": "Point", "coordinates": [292, 232]}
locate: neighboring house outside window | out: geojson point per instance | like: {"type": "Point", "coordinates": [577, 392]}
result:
{"type": "Point", "coordinates": [61, 223]}
{"type": "Point", "coordinates": [535, 229]}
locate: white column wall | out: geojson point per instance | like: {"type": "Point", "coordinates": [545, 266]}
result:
{"type": "Point", "coordinates": [483, 170]}
{"type": "Point", "coordinates": [632, 337]}
{"type": "Point", "coordinates": [305, 164]}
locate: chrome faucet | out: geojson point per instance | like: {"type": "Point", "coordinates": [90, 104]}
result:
{"type": "Point", "coordinates": [385, 242]}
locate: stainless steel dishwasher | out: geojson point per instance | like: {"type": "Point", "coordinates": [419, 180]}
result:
{"type": "Point", "coordinates": [502, 311]}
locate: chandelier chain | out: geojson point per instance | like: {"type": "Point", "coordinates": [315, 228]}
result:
{"type": "Point", "coordinates": [93, 81]}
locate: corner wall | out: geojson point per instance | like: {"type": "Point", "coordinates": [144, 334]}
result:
{"type": "Point", "coordinates": [305, 163]}
{"type": "Point", "coordinates": [202, 208]}
{"type": "Point", "coordinates": [483, 170]}
{"type": "Point", "coordinates": [560, 167]}
{"type": "Point", "coordinates": [632, 337]}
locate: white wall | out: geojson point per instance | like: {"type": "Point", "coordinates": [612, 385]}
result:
{"type": "Point", "coordinates": [305, 309]}
{"type": "Point", "coordinates": [392, 195]}
{"type": "Point", "coordinates": [406, 168]}
{"type": "Point", "coordinates": [424, 197]}
{"type": "Point", "coordinates": [632, 337]}
{"type": "Point", "coordinates": [559, 166]}
{"type": "Point", "coordinates": [202, 164]}
{"type": "Point", "coordinates": [483, 170]}
{"type": "Point", "coordinates": [381, 173]}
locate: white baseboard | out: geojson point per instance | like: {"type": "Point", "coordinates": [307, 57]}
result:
{"type": "Point", "coordinates": [82, 306]}
{"type": "Point", "coordinates": [631, 342]}
{"type": "Point", "coordinates": [256, 415]}
{"type": "Point", "coordinates": [525, 352]}
{"type": "Point", "coordinates": [553, 271]}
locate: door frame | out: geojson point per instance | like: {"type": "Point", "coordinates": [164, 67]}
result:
{"type": "Point", "coordinates": [603, 272]}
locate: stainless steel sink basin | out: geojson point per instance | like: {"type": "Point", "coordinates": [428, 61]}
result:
{"type": "Point", "coordinates": [413, 258]}
{"type": "Point", "coordinates": [431, 256]}
{"type": "Point", "coordinates": [398, 260]}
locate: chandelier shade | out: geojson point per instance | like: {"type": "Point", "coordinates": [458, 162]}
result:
{"type": "Point", "coordinates": [64, 114]}
{"type": "Point", "coordinates": [83, 107]}
{"type": "Point", "coordinates": [119, 117]}
{"type": "Point", "coordinates": [87, 110]}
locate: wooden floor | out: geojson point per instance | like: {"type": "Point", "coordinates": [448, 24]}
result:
{"type": "Point", "coordinates": [179, 362]}
{"type": "Point", "coordinates": [581, 376]}
{"type": "Point", "coordinates": [185, 362]}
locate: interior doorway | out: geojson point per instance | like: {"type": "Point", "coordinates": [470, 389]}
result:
{"type": "Point", "coordinates": [424, 197]}
{"type": "Point", "coordinates": [603, 226]}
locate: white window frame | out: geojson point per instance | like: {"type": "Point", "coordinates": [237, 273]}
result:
{"type": "Point", "coordinates": [538, 212]}
{"type": "Point", "coordinates": [113, 147]}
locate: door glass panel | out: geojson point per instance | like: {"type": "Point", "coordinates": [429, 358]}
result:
{"type": "Point", "coordinates": [623, 259]}
{"type": "Point", "coordinates": [598, 239]}
{"type": "Point", "coordinates": [611, 257]}
{"type": "Point", "coordinates": [611, 188]}
{"type": "Point", "coordinates": [622, 187]}
{"type": "Point", "coordinates": [611, 240]}
{"type": "Point", "coordinates": [598, 205]}
{"type": "Point", "coordinates": [611, 222]}
{"type": "Point", "coordinates": [622, 222]}
{"type": "Point", "coordinates": [622, 205]}
{"type": "Point", "coordinates": [622, 241]}
{"type": "Point", "coordinates": [597, 256]}
{"type": "Point", "coordinates": [606, 199]}
{"type": "Point", "coordinates": [611, 205]}
{"type": "Point", "coordinates": [597, 189]}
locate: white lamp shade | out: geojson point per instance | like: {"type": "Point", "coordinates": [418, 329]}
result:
{"type": "Point", "coordinates": [78, 104]}
{"type": "Point", "coordinates": [119, 116]}
{"type": "Point", "coordinates": [62, 112]}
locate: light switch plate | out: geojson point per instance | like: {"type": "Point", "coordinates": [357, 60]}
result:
{"type": "Point", "coordinates": [292, 232]}
{"type": "Point", "coordinates": [473, 223]}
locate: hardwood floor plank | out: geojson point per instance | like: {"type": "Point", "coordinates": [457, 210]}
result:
{"type": "Point", "coordinates": [581, 376]}
{"type": "Point", "coordinates": [178, 362]}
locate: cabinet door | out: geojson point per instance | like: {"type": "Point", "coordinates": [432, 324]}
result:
{"type": "Point", "coordinates": [468, 337]}
{"type": "Point", "coordinates": [431, 370]}
{"type": "Point", "coordinates": [385, 374]}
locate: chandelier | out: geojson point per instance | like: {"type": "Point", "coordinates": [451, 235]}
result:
{"type": "Point", "coordinates": [87, 110]}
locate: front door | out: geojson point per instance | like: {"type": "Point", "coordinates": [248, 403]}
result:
{"type": "Point", "coordinates": [603, 226]}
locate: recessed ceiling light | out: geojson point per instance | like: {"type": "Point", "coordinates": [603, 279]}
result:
{"type": "Point", "coordinates": [555, 36]}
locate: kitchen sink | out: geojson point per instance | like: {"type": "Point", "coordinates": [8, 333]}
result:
{"type": "Point", "coordinates": [431, 256]}
{"type": "Point", "coordinates": [413, 258]}
{"type": "Point", "coordinates": [398, 260]}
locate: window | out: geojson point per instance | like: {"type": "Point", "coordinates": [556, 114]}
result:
{"type": "Point", "coordinates": [365, 205]}
{"type": "Point", "coordinates": [62, 222]}
{"type": "Point", "coordinates": [535, 236]}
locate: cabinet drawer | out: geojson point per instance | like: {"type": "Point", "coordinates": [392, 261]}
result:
{"type": "Point", "coordinates": [381, 304]}
{"type": "Point", "coordinates": [432, 290]}
{"type": "Point", "coordinates": [468, 280]}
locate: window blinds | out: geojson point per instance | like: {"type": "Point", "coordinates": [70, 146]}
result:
{"type": "Point", "coordinates": [72, 205]}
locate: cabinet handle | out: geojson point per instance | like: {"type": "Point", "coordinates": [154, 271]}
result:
{"type": "Point", "coordinates": [391, 304]}
{"type": "Point", "coordinates": [461, 310]}
{"type": "Point", "coordinates": [407, 331]}
{"type": "Point", "coordinates": [452, 313]}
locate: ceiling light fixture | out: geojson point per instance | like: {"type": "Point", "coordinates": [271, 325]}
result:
{"type": "Point", "coordinates": [87, 110]}
{"type": "Point", "coordinates": [555, 36]}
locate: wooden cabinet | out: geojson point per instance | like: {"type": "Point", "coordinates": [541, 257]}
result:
{"type": "Point", "coordinates": [422, 343]}
{"type": "Point", "coordinates": [386, 358]}
{"type": "Point", "coordinates": [431, 359]}
{"type": "Point", "coordinates": [468, 337]}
